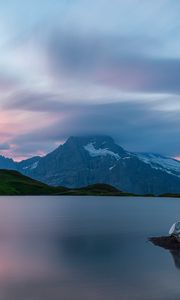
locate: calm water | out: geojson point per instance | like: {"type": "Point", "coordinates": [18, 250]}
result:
{"type": "Point", "coordinates": [86, 248]}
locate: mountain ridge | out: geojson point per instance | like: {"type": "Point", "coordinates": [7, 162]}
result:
{"type": "Point", "coordinates": [83, 161]}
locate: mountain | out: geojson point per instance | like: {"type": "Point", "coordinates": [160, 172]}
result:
{"type": "Point", "coordinates": [79, 162]}
{"type": "Point", "coordinates": [14, 183]}
{"type": "Point", "coordinates": [26, 166]}
{"type": "Point", "coordinates": [7, 163]}
{"type": "Point", "coordinates": [84, 161]}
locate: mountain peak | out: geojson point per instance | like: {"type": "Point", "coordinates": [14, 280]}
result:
{"type": "Point", "coordinates": [95, 144]}
{"type": "Point", "coordinates": [89, 139]}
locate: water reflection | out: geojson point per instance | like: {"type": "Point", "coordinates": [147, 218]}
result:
{"type": "Point", "coordinates": [169, 244]}
{"type": "Point", "coordinates": [92, 246]}
{"type": "Point", "coordinates": [176, 257]}
{"type": "Point", "coordinates": [83, 249]}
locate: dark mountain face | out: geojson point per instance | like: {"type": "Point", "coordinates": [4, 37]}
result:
{"type": "Point", "coordinates": [83, 161]}
{"type": "Point", "coordinates": [7, 163]}
{"type": "Point", "coordinates": [26, 166]}
{"type": "Point", "coordinates": [79, 162]}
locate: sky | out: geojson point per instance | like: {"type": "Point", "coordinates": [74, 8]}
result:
{"type": "Point", "coordinates": [87, 67]}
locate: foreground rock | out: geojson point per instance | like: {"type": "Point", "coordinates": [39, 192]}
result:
{"type": "Point", "coordinates": [166, 242]}
{"type": "Point", "coordinates": [175, 230]}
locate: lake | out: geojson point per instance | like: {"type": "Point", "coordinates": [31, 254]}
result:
{"type": "Point", "coordinates": [87, 248]}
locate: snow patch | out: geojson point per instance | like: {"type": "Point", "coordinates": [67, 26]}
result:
{"type": "Point", "coordinates": [93, 152]}
{"type": "Point", "coordinates": [31, 167]}
{"type": "Point", "coordinates": [34, 166]}
{"type": "Point", "coordinates": [158, 162]}
{"type": "Point", "coordinates": [112, 167]}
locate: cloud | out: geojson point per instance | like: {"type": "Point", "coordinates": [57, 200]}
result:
{"type": "Point", "coordinates": [70, 72]}
{"type": "Point", "coordinates": [7, 82]}
{"type": "Point", "coordinates": [135, 126]}
{"type": "Point", "coordinates": [4, 146]}
{"type": "Point", "coordinates": [116, 61]}
{"type": "Point", "coordinates": [37, 102]}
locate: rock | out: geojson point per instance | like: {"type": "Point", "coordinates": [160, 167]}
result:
{"type": "Point", "coordinates": [175, 231]}
{"type": "Point", "coordinates": [170, 242]}
{"type": "Point", "coordinates": [166, 242]}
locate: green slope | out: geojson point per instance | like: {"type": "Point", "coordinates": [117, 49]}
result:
{"type": "Point", "coordinates": [167, 195]}
{"type": "Point", "coordinates": [99, 189]}
{"type": "Point", "coordinates": [14, 183]}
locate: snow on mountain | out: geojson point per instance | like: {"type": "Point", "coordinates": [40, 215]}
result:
{"type": "Point", "coordinates": [32, 166]}
{"type": "Point", "coordinates": [159, 162]}
{"type": "Point", "coordinates": [28, 165]}
{"type": "Point", "coordinates": [93, 152]}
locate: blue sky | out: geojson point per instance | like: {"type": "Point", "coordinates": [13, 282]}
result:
{"type": "Point", "coordinates": [83, 67]}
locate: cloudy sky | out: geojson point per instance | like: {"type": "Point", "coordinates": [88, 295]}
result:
{"type": "Point", "coordinates": [78, 67]}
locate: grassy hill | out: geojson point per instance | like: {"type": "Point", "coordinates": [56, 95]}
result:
{"type": "Point", "coordinates": [14, 183]}
{"type": "Point", "coordinates": [99, 189]}
{"type": "Point", "coordinates": [167, 195]}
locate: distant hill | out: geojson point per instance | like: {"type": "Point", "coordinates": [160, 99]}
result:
{"type": "Point", "coordinates": [170, 195]}
{"type": "Point", "coordinates": [97, 190]}
{"type": "Point", "coordinates": [14, 183]}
